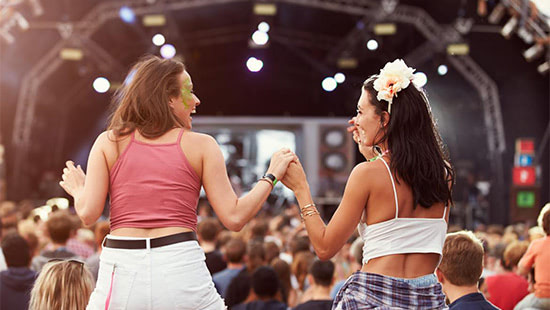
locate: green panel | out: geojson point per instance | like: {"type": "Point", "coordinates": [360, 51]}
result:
{"type": "Point", "coordinates": [525, 199]}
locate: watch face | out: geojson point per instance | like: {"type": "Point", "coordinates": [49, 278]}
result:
{"type": "Point", "coordinates": [334, 137]}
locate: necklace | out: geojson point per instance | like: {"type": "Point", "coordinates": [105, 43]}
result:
{"type": "Point", "coordinates": [380, 155]}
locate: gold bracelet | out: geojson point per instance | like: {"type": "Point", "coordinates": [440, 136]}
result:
{"type": "Point", "coordinates": [308, 206]}
{"type": "Point", "coordinates": [268, 181]}
{"type": "Point", "coordinates": [304, 216]}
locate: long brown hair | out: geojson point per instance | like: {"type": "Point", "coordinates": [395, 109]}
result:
{"type": "Point", "coordinates": [142, 102]}
{"type": "Point", "coordinates": [419, 157]}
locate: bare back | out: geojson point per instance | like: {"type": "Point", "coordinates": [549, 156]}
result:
{"type": "Point", "coordinates": [380, 208]}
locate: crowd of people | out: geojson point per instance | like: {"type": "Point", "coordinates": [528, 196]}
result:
{"type": "Point", "coordinates": [270, 263]}
{"type": "Point", "coordinates": [386, 247]}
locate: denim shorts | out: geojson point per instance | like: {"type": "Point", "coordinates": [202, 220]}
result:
{"type": "Point", "coordinates": [174, 276]}
{"type": "Point", "coordinates": [423, 281]}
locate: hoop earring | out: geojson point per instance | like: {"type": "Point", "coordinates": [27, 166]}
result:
{"type": "Point", "coordinates": [377, 149]}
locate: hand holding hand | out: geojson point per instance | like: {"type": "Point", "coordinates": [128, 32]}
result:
{"type": "Point", "coordinates": [73, 179]}
{"type": "Point", "coordinates": [295, 178]}
{"type": "Point", "coordinates": [280, 161]}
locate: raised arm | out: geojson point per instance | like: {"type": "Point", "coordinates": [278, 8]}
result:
{"type": "Point", "coordinates": [89, 192]}
{"type": "Point", "coordinates": [235, 212]}
{"type": "Point", "coordinates": [328, 240]}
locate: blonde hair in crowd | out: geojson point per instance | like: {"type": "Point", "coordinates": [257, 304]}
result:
{"type": "Point", "coordinates": [62, 285]}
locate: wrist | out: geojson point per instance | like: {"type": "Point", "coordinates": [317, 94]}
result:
{"type": "Point", "coordinates": [302, 192]}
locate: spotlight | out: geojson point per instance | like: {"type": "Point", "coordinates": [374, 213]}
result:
{"type": "Point", "coordinates": [101, 85]}
{"type": "Point", "coordinates": [372, 44]}
{"type": "Point", "coordinates": [442, 69]}
{"type": "Point", "coordinates": [340, 77]}
{"type": "Point", "coordinates": [497, 14]}
{"type": "Point", "coordinates": [158, 39]}
{"type": "Point", "coordinates": [260, 37]}
{"type": "Point", "coordinates": [168, 51]}
{"type": "Point", "coordinates": [254, 65]}
{"type": "Point", "coordinates": [509, 27]}
{"type": "Point", "coordinates": [127, 14]}
{"type": "Point", "coordinates": [420, 79]}
{"type": "Point", "coordinates": [329, 84]}
{"type": "Point", "coordinates": [533, 52]}
{"type": "Point", "coordinates": [544, 67]}
{"type": "Point", "coordinates": [264, 27]}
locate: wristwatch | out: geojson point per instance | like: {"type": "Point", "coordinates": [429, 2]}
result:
{"type": "Point", "coordinates": [271, 177]}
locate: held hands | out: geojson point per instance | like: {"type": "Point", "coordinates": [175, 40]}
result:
{"type": "Point", "coordinates": [295, 177]}
{"type": "Point", "coordinates": [280, 161]}
{"type": "Point", "coordinates": [73, 179]}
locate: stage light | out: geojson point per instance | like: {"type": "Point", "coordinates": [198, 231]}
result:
{"type": "Point", "coordinates": [497, 14]}
{"type": "Point", "coordinates": [420, 79]}
{"type": "Point", "coordinates": [101, 85]}
{"type": "Point", "coordinates": [254, 65]}
{"type": "Point", "coordinates": [329, 84]}
{"type": "Point", "coordinates": [340, 77]}
{"type": "Point", "coordinates": [267, 9]}
{"type": "Point", "coordinates": [372, 44]}
{"type": "Point", "coordinates": [347, 63]}
{"type": "Point", "coordinates": [168, 51]}
{"type": "Point", "coordinates": [74, 54]}
{"type": "Point", "coordinates": [458, 49]}
{"type": "Point", "coordinates": [442, 69]}
{"type": "Point", "coordinates": [158, 39]}
{"type": "Point", "coordinates": [264, 27]}
{"type": "Point", "coordinates": [385, 29]}
{"type": "Point", "coordinates": [127, 14]}
{"type": "Point", "coordinates": [533, 52]}
{"type": "Point", "coordinates": [260, 37]}
{"type": "Point", "coordinates": [154, 20]}
{"type": "Point", "coordinates": [544, 67]}
{"type": "Point", "coordinates": [509, 27]}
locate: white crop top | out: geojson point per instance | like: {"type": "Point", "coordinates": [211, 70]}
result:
{"type": "Point", "coordinates": [402, 235]}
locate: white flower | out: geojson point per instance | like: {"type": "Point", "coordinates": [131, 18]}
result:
{"type": "Point", "coordinates": [394, 77]}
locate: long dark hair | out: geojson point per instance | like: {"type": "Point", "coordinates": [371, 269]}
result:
{"type": "Point", "coordinates": [418, 155]}
{"type": "Point", "coordinates": [142, 103]}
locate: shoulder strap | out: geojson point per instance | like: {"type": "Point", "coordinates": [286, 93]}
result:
{"type": "Point", "coordinates": [393, 185]}
{"type": "Point", "coordinates": [180, 135]}
{"type": "Point", "coordinates": [445, 210]}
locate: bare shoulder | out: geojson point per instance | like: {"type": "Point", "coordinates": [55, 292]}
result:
{"type": "Point", "coordinates": [366, 169]}
{"type": "Point", "coordinates": [200, 139]}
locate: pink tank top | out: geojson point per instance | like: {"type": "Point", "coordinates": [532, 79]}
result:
{"type": "Point", "coordinates": [153, 186]}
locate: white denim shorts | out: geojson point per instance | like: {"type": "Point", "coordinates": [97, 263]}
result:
{"type": "Point", "coordinates": [169, 277]}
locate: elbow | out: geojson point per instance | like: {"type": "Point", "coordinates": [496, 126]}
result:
{"type": "Point", "coordinates": [88, 220]}
{"type": "Point", "coordinates": [324, 254]}
{"type": "Point", "coordinates": [234, 224]}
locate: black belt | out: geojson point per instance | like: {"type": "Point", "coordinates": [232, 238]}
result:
{"type": "Point", "coordinates": [155, 242]}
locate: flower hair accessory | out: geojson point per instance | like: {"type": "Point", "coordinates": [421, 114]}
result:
{"type": "Point", "coordinates": [394, 77]}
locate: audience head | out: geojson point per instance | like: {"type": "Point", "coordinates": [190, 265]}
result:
{"type": "Point", "coordinates": [299, 244]}
{"type": "Point", "coordinates": [255, 255]}
{"type": "Point", "coordinates": [235, 250]}
{"type": "Point", "coordinates": [62, 285]}
{"type": "Point", "coordinates": [513, 253]}
{"type": "Point", "coordinates": [544, 219]}
{"type": "Point", "coordinates": [16, 250]}
{"type": "Point", "coordinates": [59, 226]}
{"type": "Point", "coordinates": [462, 261]}
{"type": "Point", "coordinates": [322, 272]}
{"type": "Point", "coordinates": [272, 251]}
{"type": "Point", "coordinates": [208, 229]}
{"type": "Point", "coordinates": [300, 266]}
{"type": "Point", "coordinates": [259, 230]}
{"type": "Point", "coordinates": [265, 283]}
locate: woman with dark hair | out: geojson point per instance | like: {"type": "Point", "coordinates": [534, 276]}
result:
{"type": "Point", "coordinates": [398, 199]}
{"type": "Point", "coordinates": [153, 166]}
